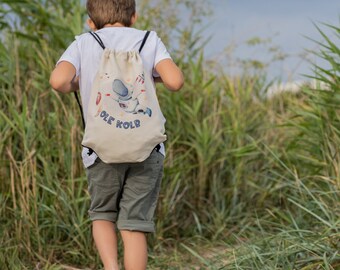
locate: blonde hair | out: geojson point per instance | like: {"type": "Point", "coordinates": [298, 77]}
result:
{"type": "Point", "coordinates": [103, 12]}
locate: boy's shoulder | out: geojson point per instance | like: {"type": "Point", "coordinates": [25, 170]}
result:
{"type": "Point", "coordinates": [119, 38]}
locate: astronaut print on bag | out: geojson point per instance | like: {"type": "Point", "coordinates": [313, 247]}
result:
{"type": "Point", "coordinates": [129, 98]}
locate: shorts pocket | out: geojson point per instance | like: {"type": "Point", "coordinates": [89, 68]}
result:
{"type": "Point", "coordinates": [145, 175]}
{"type": "Point", "coordinates": [155, 158]}
{"type": "Point", "coordinates": [102, 175]}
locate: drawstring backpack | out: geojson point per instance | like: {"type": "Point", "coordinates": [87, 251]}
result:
{"type": "Point", "coordinates": [124, 121]}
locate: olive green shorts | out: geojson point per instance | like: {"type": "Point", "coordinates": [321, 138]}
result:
{"type": "Point", "coordinates": [126, 193]}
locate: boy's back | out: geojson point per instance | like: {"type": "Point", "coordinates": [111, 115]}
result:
{"type": "Point", "coordinates": [85, 54]}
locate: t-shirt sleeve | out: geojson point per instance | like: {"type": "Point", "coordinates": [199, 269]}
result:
{"type": "Point", "coordinates": [72, 56]}
{"type": "Point", "coordinates": [161, 54]}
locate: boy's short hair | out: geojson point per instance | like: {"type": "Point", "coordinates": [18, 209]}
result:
{"type": "Point", "coordinates": [103, 12]}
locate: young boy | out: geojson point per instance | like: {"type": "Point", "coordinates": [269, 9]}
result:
{"type": "Point", "coordinates": [123, 195]}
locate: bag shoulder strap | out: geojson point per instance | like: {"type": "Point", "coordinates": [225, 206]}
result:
{"type": "Point", "coordinates": [90, 151]}
{"type": "Point", "coordinates": [98, 39]}
{"type": "Point", "coordinates": [144, 41]}
{"type": "Point", "coordinates": [101, 43]}
{"type": "Point", "coordinates": [80, 108]}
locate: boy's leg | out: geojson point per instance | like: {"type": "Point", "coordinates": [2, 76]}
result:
{"type": "Point", "coordinates": [105, 237]}
{"type": "Point", "coordinates": [137, 207]}
{"type": "Point", "coordinates": [105, 185]}
{"type": "Point", "coordinates": [135, 250]}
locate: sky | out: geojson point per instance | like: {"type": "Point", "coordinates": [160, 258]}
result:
{"type": "Point", "coordinates": [286, 23]}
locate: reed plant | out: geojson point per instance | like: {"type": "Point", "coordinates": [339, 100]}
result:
{"type": "Point", "coordinates": [250, 182]}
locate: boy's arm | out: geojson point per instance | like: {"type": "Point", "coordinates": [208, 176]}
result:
{"type": "Point", "coordinates": [170, 74]}
{"type": "Point", "coordinates": [63, 78]}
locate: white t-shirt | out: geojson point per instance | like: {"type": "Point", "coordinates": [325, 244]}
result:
{"type": "Point", "coordinates": [85, 54]}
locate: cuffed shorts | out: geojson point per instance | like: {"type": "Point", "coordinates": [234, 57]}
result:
{"type": "Point", "coordinates": [126, 193]}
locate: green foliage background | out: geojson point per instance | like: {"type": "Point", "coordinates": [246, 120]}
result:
{"type": "Point", "coordinates": [250, 182]}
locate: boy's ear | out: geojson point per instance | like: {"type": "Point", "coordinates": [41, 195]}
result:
{"type": "Point", "coordinates": [91, 24]}
{"type": "Point", "coordinates": [134, 19]}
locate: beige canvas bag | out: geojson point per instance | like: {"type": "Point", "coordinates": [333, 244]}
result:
{"type": "Point", "coordinates": [124, 121]}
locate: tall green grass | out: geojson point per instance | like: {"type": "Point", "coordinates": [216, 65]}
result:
{"type": "Point", "coordinates": [250, 182]}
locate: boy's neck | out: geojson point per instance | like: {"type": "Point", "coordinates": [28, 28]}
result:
{"type": "Point", "coordinates": [114, 25]}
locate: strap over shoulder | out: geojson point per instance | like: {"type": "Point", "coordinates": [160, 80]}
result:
{"type": "Point", "coordinates": [101, 43]}
{"type": "Point", "coordinates": [98, 39]}
{"type": "Point", "coordinates": [144, 40]}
